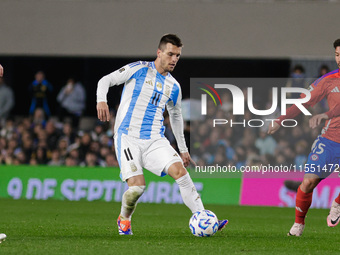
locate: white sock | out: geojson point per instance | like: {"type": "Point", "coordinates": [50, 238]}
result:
{"type": "Point", "coordinates": [189, 193]}
{"type": "Point", "coordinates": [129, 201]}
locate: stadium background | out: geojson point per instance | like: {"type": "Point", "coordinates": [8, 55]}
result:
{"type": "Point", "coordinates": [221, 38]}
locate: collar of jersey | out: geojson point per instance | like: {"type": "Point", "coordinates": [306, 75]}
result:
{"type": "Point", "coordinates": [154, 67]}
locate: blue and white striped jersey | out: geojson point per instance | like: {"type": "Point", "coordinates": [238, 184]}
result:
{"type": "Point", "coordinates": [146, 93]}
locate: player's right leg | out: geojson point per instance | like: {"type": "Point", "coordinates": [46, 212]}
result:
{"type": "Point", "coordinates": [333, 218]}
{"type": "Point", "coordinates": [303, 202]}
{"type": "Point", "coordinates": [128, 155]}
{"type": "Point", "coordinates": [129, 202]}
{"type": "Point", "coordinates": [324, 152]}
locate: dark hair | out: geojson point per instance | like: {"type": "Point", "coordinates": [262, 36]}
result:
{"type": "Point", "coordinates": [170, 38]}
{"type": "Point", "coordinates": [325, 67]}
{"type": "Point", "coordinates": [299, 68]}
{"type": "Point", "coordinates": [336, 43]}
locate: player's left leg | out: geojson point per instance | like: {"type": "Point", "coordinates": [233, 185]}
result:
{"type": "Point", "coordinates": [333, 218]}
{"type": "Point", "coordinates": [189, 194]}
{"type": "Point", "coordinates": [171, 163]}
{"type": "Point", "coordinates": [161, 158]}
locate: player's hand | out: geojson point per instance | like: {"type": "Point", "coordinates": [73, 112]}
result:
{"type": "Point", "coordinates": [103, 112]}
{"type": "Point", "coordinates": [316, 120]}
{"type": "Point", "coordinates": [187, 159]}
{"type": "Point", "coordinates": [1, 71]}
{"type": "Point", "coordinates": [273, 128]}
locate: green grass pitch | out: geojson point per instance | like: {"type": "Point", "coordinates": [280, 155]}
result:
{"type": "Point", "coordinates": [63, 227]}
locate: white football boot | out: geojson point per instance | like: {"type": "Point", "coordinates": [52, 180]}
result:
{"type": "Point", "coordinates": [333, 218]}
{"type": "Point", "coordinates": [296, 230]}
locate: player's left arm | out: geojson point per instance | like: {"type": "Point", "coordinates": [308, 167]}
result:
{"type": "Point", "coordinates": [1, 71]}
{"type": "Point", "coordinates": [176, 122]}
{"type": "Point", "coordinates": [317, 94]}
{"type": "Point", "coordinates": [316, 120]}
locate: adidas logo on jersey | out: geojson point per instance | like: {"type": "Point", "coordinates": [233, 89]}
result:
{"type": "Point", "coordinates": [149, 82]}
{"type": "Point", "coordinates": [336, 89]}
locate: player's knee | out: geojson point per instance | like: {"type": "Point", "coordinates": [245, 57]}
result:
{"type": "Point", "coordinates": [133, 194]}
{"type": "Point", "coordinates": [177, 170]}
{"type": "Point", "coordinates": [136, 181]}
{"type": "Point", "coordinates": [308, 184]}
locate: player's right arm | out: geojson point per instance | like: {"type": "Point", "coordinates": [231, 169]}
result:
{"type": "Point", "coordinates": [1, 71]}
{"type": "Point", "coordinates": [117, 77]}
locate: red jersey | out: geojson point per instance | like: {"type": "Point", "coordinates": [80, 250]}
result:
{"type": "Point", "coordinates": [327, 86]}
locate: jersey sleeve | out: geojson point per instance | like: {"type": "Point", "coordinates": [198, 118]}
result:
{"type": "Point", "coordinates": [176, 118]}
{"type": "Point", "coordinates": [318, 90]}
{"type": "Point", "coordinates": [117, 77]}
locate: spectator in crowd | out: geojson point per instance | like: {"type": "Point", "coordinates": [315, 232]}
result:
{"type": "Point", "coordinates": [297, 80]}
{"type": "Point", "coordinates": [68, 133]}
{"type": "Point", "coordinates": [73, 152]}
{"type": "Point", "coordinates": [6, 101]}
{"type": "Point", "coordinates": [38, 118]}
{"type": "Point", "coordinates": [103, 151]}
{"type": "Point", "coordinates": [55, 160]}
{"type": "Point", "coordinates": [84, 146]}
{"type": "Point", "coordinates": [3, 145]}
{"type": "Point", "coordinates": [323, 70]}
{"type": "Point", "coordinates": [40, 156]}
{"type": "Point", "coordinates": [8, 129]}
{"type": "Point", "coordinates": [110, 160]}
{"type": "Point", "coordinates": [72, 101]}
{"type": "Point", "coordinates": [62, 147]}
{"type": "Point", "coordinates": [27, 147]}
{"type": "Point", "coordinates": [39, 89]}
{"type": "Point", "coordinates": [98, 132]}
{"type": "Point", "coordinates": [301, 153]}
{"type": "Point", "coordinates": [91, 160]}
{"type": "Point", "coordinates": [53, 134]}
{"type": "Point", "coordinates": [265, 143]}
{"type": "Point", "coordinates": [70, 161]}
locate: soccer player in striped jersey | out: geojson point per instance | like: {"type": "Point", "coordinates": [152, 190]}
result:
{"type": "Point", "coordinates": [325, 155]}
{"type": "Point", "coordinates": [139, 132]}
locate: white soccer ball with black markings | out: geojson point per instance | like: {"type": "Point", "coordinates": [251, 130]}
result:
{"type": "Point", "coordinates": [203, 223]}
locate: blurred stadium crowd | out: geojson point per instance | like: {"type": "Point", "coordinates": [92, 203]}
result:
{"type": "Point", "coordinates": [33, 140]}
{"type": "Point", "coordinates": [242, 145]}
{"type": "Point", "coordinates": [48, 140]}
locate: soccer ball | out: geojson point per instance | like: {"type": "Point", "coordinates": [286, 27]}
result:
{"type": "Point", "coordinates": [2, 237]}
{"type": "Point", "coordinates": [203, 223]}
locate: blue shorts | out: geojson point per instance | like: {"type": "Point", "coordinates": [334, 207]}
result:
{"type": "Point", "coordinates": [324, 158]}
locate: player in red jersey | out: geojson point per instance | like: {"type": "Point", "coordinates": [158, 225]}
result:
{"type": "Point", "coordinates": [326, 148]}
